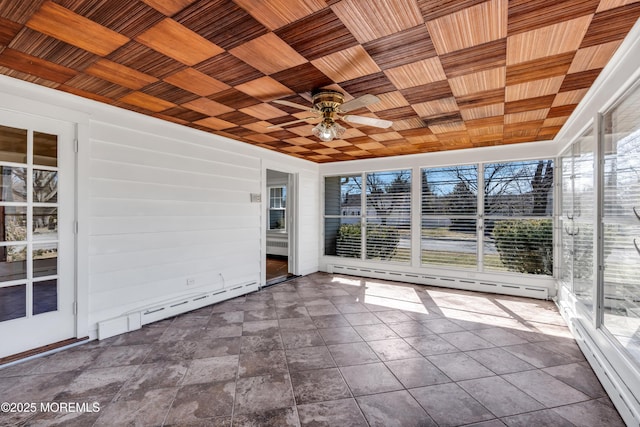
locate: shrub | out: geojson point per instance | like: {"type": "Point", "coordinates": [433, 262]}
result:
{"type": "Point", "coordinates": [525, 246]}
{"type": "Point", "coordinates": [382, 241]}
{"type": "Point", "coordinates": [349, 241]}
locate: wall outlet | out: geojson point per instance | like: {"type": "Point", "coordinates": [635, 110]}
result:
{"type": "Point", "coordinates": [191, 281]}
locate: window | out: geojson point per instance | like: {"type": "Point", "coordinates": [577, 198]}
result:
{"type": "Point", "coordinates": [388, 216]}
{"type": "Point", "coordinates": [342, 212]}
{"type": "Point", "coordinates": [277, 208]}
{"type": "Point", "coordinates": [449, 216]}
{"type": "Point", "coordinates": [621, 222]}
{"type": "Point", "coordinates": [384, 213]}
{"type": "Point", "coordinates": [518, 217]}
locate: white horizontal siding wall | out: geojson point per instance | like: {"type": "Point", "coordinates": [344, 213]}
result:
{"type": "Point", "coordinates": [164, 210]}
{"type": "Point", "coordinates": [161, 203]}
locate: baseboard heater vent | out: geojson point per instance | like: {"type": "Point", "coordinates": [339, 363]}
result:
{"type": "Point", "coordinates": [135, 319]}
{"type": "Point", "coordinates": [448, 282]}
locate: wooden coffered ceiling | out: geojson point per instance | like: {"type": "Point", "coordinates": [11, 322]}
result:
{"type": "Point", "coordinates": [450, 74]}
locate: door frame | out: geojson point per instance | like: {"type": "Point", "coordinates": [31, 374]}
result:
{"type": "Point", "coordinates": [292, 219]}
{"type": "Point", "coordinates": [20, 97]}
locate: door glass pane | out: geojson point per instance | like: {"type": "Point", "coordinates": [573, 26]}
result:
{"type": "Point", "coordinates": [14, 184]}
{"type": "Point", "coordinates": [45, 149]}
{"type": "Point", "coordinates": [13, 302]}
{"type": "Point", "coordinates": [583, 218]}
{"type": "Point", "coordinates": [13, 223]}
{"type": "Point", "coordinates": [45, 186]}
{"type": "Point", "coordinates": [621, 223]}
{"type": "Point", "coordinates": [45, 259]}
{"type": "Point", "coordinates": [45, 223]}
{"type": "Point", "coordinates": [13, 262]}
{"type": "Point", "coordinates": [13, 145]}
{"type": "Point", "coordinates": [45, 296]}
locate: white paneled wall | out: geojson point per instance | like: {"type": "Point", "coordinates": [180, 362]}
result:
{"type": "Point", "coordinates": [161, 205]}
{"type": "Point", "coordinates": [164, 210]}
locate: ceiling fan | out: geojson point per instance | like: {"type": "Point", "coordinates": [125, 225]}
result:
{"type": "Point", "coordinates": [329, 105]}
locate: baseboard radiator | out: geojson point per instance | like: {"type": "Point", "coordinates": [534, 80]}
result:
{"type": "Point", "coordinates": [135, 319]}
{"type": "Point", "coordinates": [624, 401]}
{"type": "Point", "coordinates": [448, 282]}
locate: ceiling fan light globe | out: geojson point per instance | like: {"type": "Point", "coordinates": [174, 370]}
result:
{"type": "Point", "coordinates": [327, 132]}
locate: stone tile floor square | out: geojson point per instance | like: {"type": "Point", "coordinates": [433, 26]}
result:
{"type": "Point", "coordinates": [327, 350]}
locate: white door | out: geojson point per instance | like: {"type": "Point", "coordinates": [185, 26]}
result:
{"type": "Point", "coordinates": [37, 285]}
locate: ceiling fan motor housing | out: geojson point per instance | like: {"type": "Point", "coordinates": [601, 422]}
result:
{"type": "Point", "coordinates": [328, 101]}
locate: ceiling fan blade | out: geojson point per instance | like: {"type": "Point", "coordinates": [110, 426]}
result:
{"type": "Point", "coordinates": [368, 121]}
{"type": "Point", "coordinates": [359, 102]}
{"type": "Point", "coordinates": [292, 122]}
{"type": "Point", "coordinates": [293, 105]}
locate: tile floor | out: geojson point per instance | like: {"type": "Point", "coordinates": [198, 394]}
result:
{"type": "Point", "coordinates": [327, 350]}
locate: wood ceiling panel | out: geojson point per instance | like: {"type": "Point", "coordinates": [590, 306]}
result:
{"type": "Point", "coordinates": [98, 86]}
{"type": "Point", "coordinates": [569, 97]}
{"type": "Point", "coordinates": [52, 50]}
{"type": "Point", "coordinates": [126, 18]}
{"type": "Point", "coordinates": [373, 84]}
{"type": "Point", "coordinates": [474, 59]}
{"type": "Point", "coordinates": [593, 57]}
{"type": "Point", "coordinates": [547, 41]}
{"type": "Point", "coordinates": [196, 82]}
{"type": "Point", "coordinates": [19, 11]}
{"type": "Point", "coordinates": [317, 35]}
{"type": "Point", "coordinates": [538, 69]}
{"type": "Point", "coordinates": [436, 108]}
{"type": "Point", "coordinates": [274, 14]}
{"type": "Point", "coordinates": [612, 4]}
{"type": "Point", "coordinates": [228, 69]}
{"type": "Point", "coordinates": [478, 82]}
{"type": "Point", "coordinates": [450, 74]}
{"type": "Point", "coordinates": [611, 25]}
{"type": "Point", "coordinates": [370, 20]}
{"type": "Point", "coordinates": [526, 116]}
{"type": "Point", "coordinates": [169, 93]}
{"type": "Point", "coordinates": [233, 25]}
{"type": "Point", "coordinates": [214, 123]}
{"type": "Point", "coordinates": [77, 30]}
{"type": "Point", "coordinates": [268, 54]}
{"type": "Point", "coordinates": [481, 99]}
{"type": "Point", "coordinates": [148, 61]}
{"type": "Point", "coordinates": [17, 60]}
{"type": "Point", "coordinates": [183, 114]}
{"type": "Point", "coordinates": [473, 26]}
{"type": "Point", "coordinates": [265, 89]}
{"type": "Point", "coordinates": [527, 15]}
{"type": "Point", "coordinates": [529, 104]}
{"type": "Point", "coordinates": [347, 64]}
{"type": "Point", "coordinates": [476, 113]}
{"type": "Point", "coordinates": [208, 107]}
{"type": "Point", "coordinates": [395, 50]}
{"type": "Point", "coordinates": [119, 74]}
{"type": "Point", "coordinates": [429, 92]}
{"type": "Point", "coordinates": [434, 9]}
{"type": "Point", "coordinates": [314, 78]}
{"type": "Point", "coordinates": [263, 111]}
{"type": "Point", "coordinates": [147, 102]}
{"type": "Point", "coordinates": [169, 38]}
{"type": "Point", "coordinates": [416, 73]}
{"type": "Point", "coordinates": [168, 7]}
{"type": "Point", "coordinates": [580, 80]}
{"type": "Point", "coordinates": [388, 101]}
{"type": "Point", "coordinates": [8, 30]}
{"type": "Point", "coordinates": [533, 89]}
